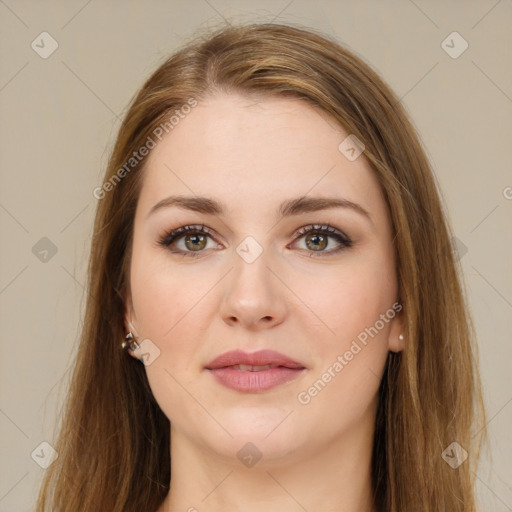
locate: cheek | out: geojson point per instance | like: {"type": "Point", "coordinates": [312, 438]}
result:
{"type": "Point", "coordinates": [343, 385]}
{"type": "Point", "coordinates": [168, 306]}
{"type": "Point", "coordinates": [164, 294]}
{"type": "Point", "coordinates": [355, 307]}
{"type": "Point", "coordinates": [342, 301]}
{"type": "Point", "coordinates": [173, 306]}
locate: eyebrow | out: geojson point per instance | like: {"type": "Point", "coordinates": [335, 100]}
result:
{"type": "Point", "coordinates": [287, 208]}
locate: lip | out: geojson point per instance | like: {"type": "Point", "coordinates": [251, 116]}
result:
{"type": "Point", "coordinates": [225, 369]}
{"type": "Point", "coordinates": [259, 358]}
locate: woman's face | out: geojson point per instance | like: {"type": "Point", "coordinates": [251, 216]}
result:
{"type": "Point", "coordinates": [255, 279]}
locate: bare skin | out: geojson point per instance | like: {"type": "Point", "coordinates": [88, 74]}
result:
{"type": "Point", "coordinates": [298, 297]}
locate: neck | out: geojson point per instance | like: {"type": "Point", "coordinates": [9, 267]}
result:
{"type": "Point", "coordinates": [336, 478]}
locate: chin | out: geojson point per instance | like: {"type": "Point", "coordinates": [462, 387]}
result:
{"type": "Point", "coordinates": [258, 430]}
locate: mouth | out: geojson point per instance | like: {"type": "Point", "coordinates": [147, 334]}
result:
{"type": "Point", "coordinates": [254, 372]}
{"type": "Point", "coordinates": [253, 368]}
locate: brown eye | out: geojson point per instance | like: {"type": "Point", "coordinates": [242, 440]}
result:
{"type": "Point", "coordinates": [187, 240]}
{"type": "Point", "coordinates": [316, 241]}
{"type": "Point", "coordinates": [195, 242]}
{"type": "Point", "coordinates": [318, 237]}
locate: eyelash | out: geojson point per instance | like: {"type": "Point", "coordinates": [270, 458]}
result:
{"type": "Point", "coordinates": [168, 238]}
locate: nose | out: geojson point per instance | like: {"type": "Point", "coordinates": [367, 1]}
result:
{"type": "Point", "coordinates": [254, 297]}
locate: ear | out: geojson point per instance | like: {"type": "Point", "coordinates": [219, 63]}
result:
{"type": "Point", "coordinates": [395, 344]}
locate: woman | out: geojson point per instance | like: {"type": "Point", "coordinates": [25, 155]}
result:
{"type": "Point", "coordinates": [274, 319]}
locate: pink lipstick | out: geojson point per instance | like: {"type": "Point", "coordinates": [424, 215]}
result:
{"type": "Point", "coordinates": [254, 372]}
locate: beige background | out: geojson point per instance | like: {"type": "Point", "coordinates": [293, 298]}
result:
{"type": "Point", "coordinates": [59, 116]}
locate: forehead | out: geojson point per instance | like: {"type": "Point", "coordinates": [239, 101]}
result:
{"type": "Point", "coordinates": [250, 152]}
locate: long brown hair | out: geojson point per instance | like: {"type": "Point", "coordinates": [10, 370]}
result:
{"type": "Point", "coordinates": [113, 443]}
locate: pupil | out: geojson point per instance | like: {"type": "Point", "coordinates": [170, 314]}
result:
{"type": "Point", "coordinates": [315, 239]}
{"type": "Point", "coordinates": [318, 239]}
{"type": "Point", "coordinates": [195, 239]}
